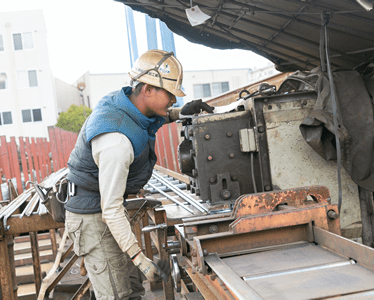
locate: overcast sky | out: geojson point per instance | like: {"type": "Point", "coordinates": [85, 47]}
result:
{"type": "Point", "coordinates": [90, 35]}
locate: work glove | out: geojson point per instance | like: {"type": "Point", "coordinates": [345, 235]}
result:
{"type": "Point", "coordinates": [152, 271]}
{"type": "Point", "coordinates": [195, 107]}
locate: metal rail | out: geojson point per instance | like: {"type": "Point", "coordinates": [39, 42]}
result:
{"type": "Point", "coordinates": [184, 196]}
{"type": "Point", "coordinates": [170, 198]}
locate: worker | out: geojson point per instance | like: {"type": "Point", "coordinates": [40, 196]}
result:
{"type": "Point", "coordinates": [114, 157]}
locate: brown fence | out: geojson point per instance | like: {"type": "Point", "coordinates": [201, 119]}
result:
{"type": "Point", "coordinates": [34, 158]}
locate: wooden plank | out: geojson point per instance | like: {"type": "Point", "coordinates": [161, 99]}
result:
{"type": "Point", "coordinates": [47, 160]}
{"type": "Point", "coordinates": [5, 272]}
{"type": "Point", "coordinates": [35, 159]}
{"type": "Point", "coordinates": [10, 156]}
{"type": "Point", "coordinates": [171, 173]}
{"type": "Point", "coordinates": [16, 168]}
{"type": "Point", "coordinates": [22, 152]}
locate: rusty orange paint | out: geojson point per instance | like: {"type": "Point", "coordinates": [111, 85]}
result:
{"type": "Point", "coordinates": [266, 202]}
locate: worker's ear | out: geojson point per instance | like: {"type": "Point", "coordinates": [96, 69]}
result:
{"type": "Point", "coordinates": [147, 89]}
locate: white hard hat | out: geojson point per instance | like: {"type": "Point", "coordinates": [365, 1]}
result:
{"type": "Point", "coordinates": [159, 68]}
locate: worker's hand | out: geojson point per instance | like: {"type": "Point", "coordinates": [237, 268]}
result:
{"type": "Point", "coordinates": [150, 269]}
{"type": "Point", "coordinates": [195, 107]}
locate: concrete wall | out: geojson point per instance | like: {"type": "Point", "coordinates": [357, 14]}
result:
{"type": "Point", "coordinates": [99, 85]}
{"type": "Point", "coordinates": [15, 98]}
{"type": "Point", "coordinates": [66, 95]}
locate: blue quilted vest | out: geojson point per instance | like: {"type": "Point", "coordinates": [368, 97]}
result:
{"type": "Point", "coordinates": [114, 113]}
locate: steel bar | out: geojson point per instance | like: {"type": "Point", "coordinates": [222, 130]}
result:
{"type": "Point", "coordinates": [36, 260]}
{"type": "Point", "coordinates": [184, 196]}
{"type": "Point", "coordinates": [300, 270]}
{"type": "Point", "coordinates": [171, 198]}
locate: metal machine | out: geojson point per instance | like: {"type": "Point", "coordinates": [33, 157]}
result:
{"type": "Point", "coordinates": [275, 242]}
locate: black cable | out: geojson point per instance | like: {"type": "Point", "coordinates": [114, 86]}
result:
{"type": "Point", "coordinates": [335, 117]}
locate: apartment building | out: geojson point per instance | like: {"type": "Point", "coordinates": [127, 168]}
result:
{"type": "Point", "coordinates": [27, 97]}
{"type": "Point", "coordinates": [196, 84]}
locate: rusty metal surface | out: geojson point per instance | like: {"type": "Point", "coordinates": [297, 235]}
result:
{"type": "Point", "coordinates": [313, 213]}
{"type": "Point", "coordinates": [266, 202]}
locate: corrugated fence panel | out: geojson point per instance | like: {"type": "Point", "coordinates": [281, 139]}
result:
{"type": "Point", "coordinates": [36, 158]}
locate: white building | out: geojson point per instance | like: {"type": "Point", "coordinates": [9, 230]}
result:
{"type": "Point", "coordinates": [27, 98]}
{"type": "Point", "coordinates": [196, 84]}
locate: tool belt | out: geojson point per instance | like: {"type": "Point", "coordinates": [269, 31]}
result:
{"type": "Point", "coordinates": [57, 199]}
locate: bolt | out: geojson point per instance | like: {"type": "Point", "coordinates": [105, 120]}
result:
{"type": "Point", "coordinates": [212, 180]}
{"type": "Point", "coordinates": [229, 134]}
{"type": "Point", "coordinates": [305, 102]}
{"type": "Point", "coordinates": [210, 157]}
{"type": "Point", "coordinates": [332, 215]}
{"type": "Point", "coordinates": [205, 252]}
{"type": "Point", "coordinates": [207, 136]}
{"type": "Point", "coordinates": [225, 194]}
{"type": "Point", "coordinates": [261, 129]}
{"type": "Point", "coordinates": [231, 155]}
{"type": "Point", "coordinates": [213, 277]}
{"type": "Point", "coordinates": [234, 177]}
{"type": "Point", "coordinates": [267, 187]}
{"type": "Point", "coordinates": [213, 228]}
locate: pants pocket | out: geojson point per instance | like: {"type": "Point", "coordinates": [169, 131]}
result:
{"type": "Point", "coordinates": [74, 231]}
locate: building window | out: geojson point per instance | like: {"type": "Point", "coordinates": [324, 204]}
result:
{"type": "Point", "coordinates": [27, 79]}
{"type": "Point", "coordinates": [220, 87]}
{"type": "Point", "coordinates": [201, 90]}
{"type": "Point", "coordinates": [1, 43]}
{"type": "Point", "coordinates": [36, 115]}
{"type": "Point", "coordinates": [26, 116]}
{"type": "Point", "coordinates": [3, 81]}
{"type": "Point", "coordinates": [23, 41]}
{"type": "Point", "coordinates": [7, 117]}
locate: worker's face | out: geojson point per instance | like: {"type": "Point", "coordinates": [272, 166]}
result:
{"type": "Point", "coordinates": [160, 102]}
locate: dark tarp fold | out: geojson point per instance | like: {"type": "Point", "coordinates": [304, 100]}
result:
{"type": "Point", "coordinates": [356, 124]}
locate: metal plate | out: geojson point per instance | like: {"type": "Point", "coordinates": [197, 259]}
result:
{"type": "Point", "coordinates": [300, 256]}
{"type": "Point", "coordinates": [315, 284]}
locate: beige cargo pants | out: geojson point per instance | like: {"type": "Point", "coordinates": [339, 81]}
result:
{"type": "Point", "coordinates": [111, 271]}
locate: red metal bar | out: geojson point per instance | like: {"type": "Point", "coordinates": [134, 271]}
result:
{"type": "Point", "coordinates": [157, 150]}
{"type": "Point", "coordinates": [1, 181]}
{"type": "Point", "coordinates": [36, 161]}
{"type": "Point", "coordinates": [29, 158]}
{"type": "Point", "coordinates": [40, 158]}
{"type": "Point", "coordinates": [168, 148]}
{"type": "Point", "coordinates": [17, 170]}
{"type": "Point", "coordinates": [25, 171]}
{"type": "Point", "coordinates": [59, 148]}
{"type": "Point", "coordinates": [5, 158]}
{"type": "Point", "coordinates": [161, 158]}
{"type": "Point", "coordinates": [10, 156]}
{"type": "Point", "coordinates": [54, 149]}
{"type": "Point", "coordinates": [175, 137]}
